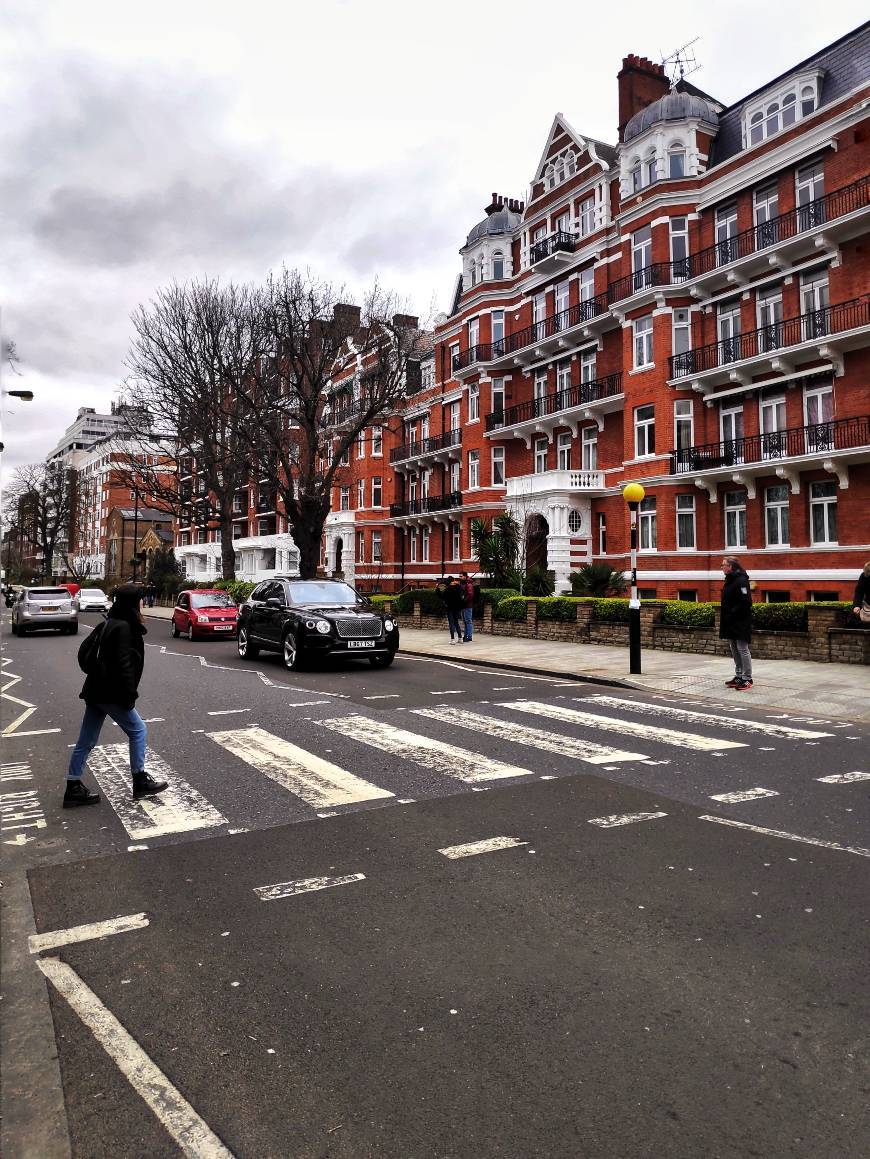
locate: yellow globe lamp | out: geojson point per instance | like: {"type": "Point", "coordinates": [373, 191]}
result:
{"type": "Point", "coordinates": [633, 493]}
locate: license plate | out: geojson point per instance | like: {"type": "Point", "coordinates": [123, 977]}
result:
{"type": "Point", "coordinates": [48, 609]}
{"type": "Point", "coordinates": [222, 627]}
{"type": "Point", "coordinates": [361, 643]}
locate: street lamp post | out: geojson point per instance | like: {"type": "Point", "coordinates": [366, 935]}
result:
{"type": "Point", "coordinates": [633, 493]}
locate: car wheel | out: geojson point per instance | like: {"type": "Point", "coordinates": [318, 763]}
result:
{"type": "Point", "coordinates": [247, 650]}
{"type": "Point", "coordinates": [290, 652]}
{"type": "Point", "coordinates": [190, 629]}
{"type": "Point", "coordinates": [73, 629]}
{"type": "Point", "coordinates": [174, 629]}
{"type": "Point", "coordinates": [382, 661]}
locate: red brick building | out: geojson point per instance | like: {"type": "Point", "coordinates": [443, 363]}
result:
{"type": "Point", "coordinates": [688, 308]}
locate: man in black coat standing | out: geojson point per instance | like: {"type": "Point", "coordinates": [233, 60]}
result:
{"type": "Point", "coordinates": [735, 622]}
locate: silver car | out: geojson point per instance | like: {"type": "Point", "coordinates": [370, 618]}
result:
{"type": "Point", "coordinates": [44, 608]}
{"type": "Point", "coordinates": [92, 600]}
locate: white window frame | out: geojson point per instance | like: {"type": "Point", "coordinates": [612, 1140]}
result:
{"type": "Point", "coordinates": [563, 451]}
{"type": "Point", "coordinates": [412, 544]}
{"type": "Point", "coordinates": [677, 159]}
{"type": "Point", "coordinates": [377, 441]}
{"type": "Point", "coordinates": [473, 462]}
{"type": "Point", "coordinates": [456, 541]}
{"type": "Point", "coordinates": [685, 521]}
{"type": "Point", "coordinates": [586, 215]}
{"type": "Point", "coordinates": [644, 431]}
{"type": "Point", "coordinates": [601, 527]}
{"type": "Point", "coordinates": [360, 493]}
{"type": "Point", "coordinates": [424, 544]}
{"type": "Point", "coordinates": [684, 417]}
{"type": "Point", "coordinates": [776, 515]}
{"type": "Point", "coordinates": [589, 448]}
{"type": "Point", "coordinates": [377, 547]}
{"type": "Point", "coordinates": [377, 491]}
{"type": "Point", "coordinates": [344, 498]}
{"type": "Point", "coordinates": [681, 330]}
{"type": "Point", "coordinates": [540, 448]}
{"type": "Point", "coordinates": [473, 402]}
{"type": "Point", "coordinates": [642, 329]}
{"type": "Point", "coordinates": [647, 533]}
{"type": "Point", "coordinates": [779, 109]}
{"type": "Point", "coordinates": [825, 501]}
{"type": "Point", "coordinates": [497, 467]}
{"type": "Point", "coordinates": [588, 364]}
{"type": "Point", "coordinates": [496, 396]}
{"type": "Point", "coordinates": [734, 510]}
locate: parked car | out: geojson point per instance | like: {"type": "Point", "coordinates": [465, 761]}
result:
{"type": "Point", "coordinates": [92, 600]}
{"type": "Point", "coordinates": [303, 619]}
{"type": "Point", "coordinates": [204, 613]}
{"type": "Point", "coordinates": [44, 607]}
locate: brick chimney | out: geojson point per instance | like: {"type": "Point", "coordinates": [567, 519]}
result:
{"type": "Point", "coordinates": [405, 321]}
{"type": "Point", "coordinates": [346, 317]}
{"type": "Point", "coordinates": [640, 83]}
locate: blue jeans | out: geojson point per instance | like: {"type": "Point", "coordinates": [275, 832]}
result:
{"type": "Point", "coordinates": [453, 618]}
{"type": "Point", "coordinates": [126, 718]}
{"type": "Point", "coordinates": [466, 616]}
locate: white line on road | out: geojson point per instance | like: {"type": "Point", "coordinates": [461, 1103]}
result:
{"type": "Point", "coordinates": [490, 845]}
{"type": "Point", "coordinates": [179, 808]}
{"type": "Point", "coordinates": [36, 943]}
{"type": "Point", "coordinates": [318, 782]}
{"type": "Point", "coordinates": [192, 1134]}
{"type": "Point", "coordinates": [787, 836]}
{"type": "Point", "coordinates": [227, 711]}
{"type": "Point", "coordinates": [687, 740]}
{"type": "Point", "coordinates": [33, 732]}
{"type": "Point", "coordinates": [422, 750]}
{"type": "Point", "coordinates": [305, 703]}
{"type": "Point", "coordinates": [537, 738]}
{"type": "Point", "coordinates": [742, 795]}
{"type": "Point", "coordinates": [449, 692]}
{"type": "Point", "coordinates": [614, 819]}
{"type": "Point", "coordinates": [689, 716]}
{"type": "Point", "coordinates": [844, 778]}
{"type": "Point", "coordinates": [304, 885]}
{"type": "Point", "coordinates": [384, 696]}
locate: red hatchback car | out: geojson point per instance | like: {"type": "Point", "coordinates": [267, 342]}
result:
{"type": "Point", "coordinates": [204, 613]}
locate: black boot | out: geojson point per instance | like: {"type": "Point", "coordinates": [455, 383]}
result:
{"type": "Point", "coordinates": [78, 793]}
{"type": "Point", "coordinates": [144, 785]}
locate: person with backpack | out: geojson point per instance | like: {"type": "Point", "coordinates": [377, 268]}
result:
{"type": "Point", "coordinates": [453, 600]}
{"type": "Point", "coordinates": [112, 657]}
{"type": "Point", "coordinates": [735, 622]}
{"type": "Point", "coordinates": [467, 585]}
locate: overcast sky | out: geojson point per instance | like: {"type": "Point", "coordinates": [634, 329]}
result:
{"type": "Point", "coordinates": [142, 143]}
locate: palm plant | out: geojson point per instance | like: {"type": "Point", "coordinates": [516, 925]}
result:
{"type": "Point", "coordinates": [496, 543]}
{"type": "Point", "coordinates": [597, 579]}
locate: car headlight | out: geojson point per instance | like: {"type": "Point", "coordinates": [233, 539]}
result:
{"type": "Point", "coordinates": [388, 625]}
{"type": "Point", "coordinates": [324, 627]}
{"type": "Point", "coordinates": [202, 619]}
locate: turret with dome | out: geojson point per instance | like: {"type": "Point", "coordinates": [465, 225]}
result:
{"type": "Point", "coordinates": [487, 254]}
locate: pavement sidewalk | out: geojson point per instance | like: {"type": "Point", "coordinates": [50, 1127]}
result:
{"type": "Point", "coordinates": [839, 690]}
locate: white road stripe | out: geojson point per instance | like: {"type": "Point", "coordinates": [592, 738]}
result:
{"type": "Point", "coordinates": [614, 819]}
{"type": "Point", "coordinates": [787, 836]}
{"type": "Point", "coordinates": [228, 711]}
{"type": "Point", "coordinates": [449, 692]}
{"type": "Point", "coordinates": [689, 716]}
{"type": "Point", "coordinates": [538, 738]}
{"type": "Point", "coordinates": [687, 740]}
{"type": "Point", "coordinates": [304, 885]}
{"type": "Point", "coordinates": [305, 703]}
{"type": "Point", "coordinates": [490, 845]}
{"type": "Point", "coordinates": [384, 696]}
{"type": "Point", "coordinates": [421, 750]}
{"type": "Point", "coordinates": [742, 795]}
{"type": "Point", "coordinates": [36, 943]}
{"type": "Point", "coordinates": [178, 809]}
{"type": "Point", "coordinates": [194, 1136]}
{"type": "Point", "coordinates": [318, 782]}
{"type": "Point", "coordinates": [844, 778]}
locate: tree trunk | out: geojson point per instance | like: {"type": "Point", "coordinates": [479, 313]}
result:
{"type": "Point", "coordinates": [307, 533]}
{"type": "Point", "coordinates": [228, 552]}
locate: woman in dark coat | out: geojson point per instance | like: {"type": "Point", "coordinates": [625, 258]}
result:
{"type": "Point", "coordinates": [861, 598]}
{"type": "Point", "coordinates": [112, 690]}
{"type": "Point", "coordinates": [735, 621]}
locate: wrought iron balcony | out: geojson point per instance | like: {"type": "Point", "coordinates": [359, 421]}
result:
{"type": "Point", "coordinates": [423, 447]}
{"type": "Point", "coordinates": [558, 242]}
{"type": "Point", "coordinates": [531, 335]}
{"type": "Point", "coordinates": [821, 211]}
{"type": "Point", "coordinates": [432, 503]}
{"type": "Point", "coordinates": [659, 274]}
{"type": "Point", "coordinates": [795, 442]}
{"type": "Point", "coordinates": [552, 404]}
{"type": "Point", "coordinates": [766, 340]}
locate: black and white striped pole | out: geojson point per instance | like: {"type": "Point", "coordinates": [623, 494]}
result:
{"type": "Point", "coordinates": [633, 493]}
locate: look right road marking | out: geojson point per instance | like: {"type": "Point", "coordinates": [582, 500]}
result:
{"type": "Point", "coordinates": [615, 819]}
{"type": "Point", "coordinates": [473, 848]}
{"type": "Point", "coordinates": [687, 740]}
{"type": "Point", "coordinates": [844, 778]}
{"type": "Point", "coordinates": [304, 885]}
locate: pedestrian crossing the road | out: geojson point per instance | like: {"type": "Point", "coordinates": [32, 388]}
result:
{"type": "Point", "coordinates": [401, 764]}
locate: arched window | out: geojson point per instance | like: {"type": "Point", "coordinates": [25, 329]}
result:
{"type": "Point", "coordinates": [789, 112]}
{"type": "Point", "coordinates": [676, 161]}
{"type": "Point", "coordinates": [550, 176]}
{"type": "Point", "coordinates": [571, 164]}
{"type": "Point", "coordinates": [650, 166]}
{"type": "Point", "coordinates": [560, 170]}
{"type": "Point", "coordinates": [772, 118]}
{"type": "Point", "coordinates": [636, 175]}
{"type": "Point", "coordinates": [498, 265]}
{"type": "Point", "coordinates": [472, 274]}
{"type": "Point", "coordinates": [756, 128]}
{"type": "Point", "coordinates": [480, 268]}
{"type": "Point", "coordinates": [808, 100]}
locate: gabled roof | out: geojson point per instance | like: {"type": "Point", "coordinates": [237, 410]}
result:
{"type": "Point", "coordinates": [599, 151]}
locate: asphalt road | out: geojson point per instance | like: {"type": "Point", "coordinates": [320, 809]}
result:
{"type": "Point", "coordinates": [623, 975]}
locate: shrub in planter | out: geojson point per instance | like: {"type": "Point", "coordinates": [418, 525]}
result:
{"type": "Point", "coordinates": [538, 582]}
{"type": "Point", "coordinates": [512, 608]}
{"type": "Point", "coordinates": [610, 611]}
{"type": "Point", "coordinates": [428, 599]}
{"type": "Point", "coordinates": [379, 601]}
{"type": "Point", "coordinates": [686, 614]}
{"type": "Point", "coordinates": [786, 617]}
{"type": "Point", "coordinates": [494, 596]}
{"type": "Point", "coordinates": [597, 579]}
{"type": "Point", "coordinates": [560, 608]}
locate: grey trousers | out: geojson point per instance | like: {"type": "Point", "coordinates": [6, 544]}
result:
{"type": "Point", "coordinates": [742, 658]}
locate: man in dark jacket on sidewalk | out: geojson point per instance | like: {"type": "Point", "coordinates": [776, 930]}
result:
{"type": "Point", "coordinates": [735, 621]}
{"type": "Point", "coordinates": [111, 689]}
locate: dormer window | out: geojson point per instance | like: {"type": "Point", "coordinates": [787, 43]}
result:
{"type": "Point", "coordinates": [778, 110]}
{"type": "Point", "coordinates": [676, 161]}
{"type": "Point", "coordinates": [560, 169]}
{"type": "Point", "coordinates": [498, 265]}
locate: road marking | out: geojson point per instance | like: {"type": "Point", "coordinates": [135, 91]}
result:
{"type": "Point", "coordinates": [192, 1134]}
{"type": "Point", "coordinates": [178, 809]}
{"type": "Point", "coordinates": [687, 740]}
{"type": "Point", "coordinates": [318, 782]}
{"type": "Point", "coordinates": [742, 795]}
{"type": "Point", "coordinates": [689, 716]}
{"type": "Point", "coordinates": [36, 943]}
{"type": "Point", "coordinates": [843, 778]}
{"type": "Point", "coordinates": [473, 848]}
{"type": "Point", "coordinates": [227, 711]}
{"type": "Point", "coordinates": [449, 692]}
{"type": "Point", "coordinates": [421, 750]}
{"type": "Point", "coordinates": [305, 703]}
{"type": "Point", "coordinates": [15, 772]}
{"type": "Point", "coordinates": [569, 746]}
{"type": "Point", "coordinates": [304, 885]}
{"type": "Point", "coordinates": [20, 808]}
{"type": "Point", "coordinates": [614, 819]}
{"type": "Point", "coordinates": [787, 836]}
{"type": "Point", "coordinates": [31, 732]}
{"type": "Point", "coordinates": [384, 696]}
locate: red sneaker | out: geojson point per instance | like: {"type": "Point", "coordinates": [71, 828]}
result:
{"type": "Point", "coordinates": [743, 686]}
{"type": "Point", "coordinates": [733, 682]}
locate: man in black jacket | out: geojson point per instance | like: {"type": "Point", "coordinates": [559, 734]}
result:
{"type": "Point", "coordinates": [735, 621]}
{"type": "Point", "coordinates": [111, 690]}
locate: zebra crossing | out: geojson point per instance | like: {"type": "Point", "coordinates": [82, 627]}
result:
{"type": "Point", "coordinates": [409, 761]}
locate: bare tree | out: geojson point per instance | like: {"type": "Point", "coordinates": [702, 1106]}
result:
{"type": "Point", "coordinates": [40, 502]}
{"type": "Point", "coordinates": [331, 369]}
{"type": "Point", "coordinates": [190, 358]}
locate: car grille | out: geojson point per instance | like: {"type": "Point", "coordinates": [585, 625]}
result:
{"type": "Point", "coordinates": [359, 627]}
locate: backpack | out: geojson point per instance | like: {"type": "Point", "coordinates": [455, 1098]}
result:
{"type": "Point", "coordinates": [89, 657]}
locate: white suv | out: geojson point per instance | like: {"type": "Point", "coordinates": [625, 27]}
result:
{"type": "Point", "coordinates": [44, 608]}
{"type": "Point", "coordinates": [92, 600]}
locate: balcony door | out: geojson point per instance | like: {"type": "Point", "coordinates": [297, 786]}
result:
{"type": "Point", "coordinates": [726, 232]}
{"type": "Point", "coordinates": [809, 192]}
{"type": "Point", "coordinates": [731, 426]}
{"type": "Point", "coordinates": [497, 321]}
{"type": "Point", "coordinates": [819, 417]}
{"type": "Point", "coordinates": [728, 329]}
{"type": "Point", "coordinates": [589, 448]}
{"type": "Point", "coordinates": [769, 320]}
{"type": "Point", "coordinates": [641, 256]}
{"type": "Point", "coordinates": [814, 305]}
{"type": "Point", "coordinates": [773, 439]}
{"type": "Point", "coordinates": [766, 211]}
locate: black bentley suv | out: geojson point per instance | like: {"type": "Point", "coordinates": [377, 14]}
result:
{"type": "Point", "coordinates": [303, 619]}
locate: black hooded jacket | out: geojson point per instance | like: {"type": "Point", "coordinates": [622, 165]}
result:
{"type": "Point", "coordinates": [862, 590]}
{"type": "Point", "coordinates": [735, 621]}
{"type": "Point", "coordinates": [122, 658]}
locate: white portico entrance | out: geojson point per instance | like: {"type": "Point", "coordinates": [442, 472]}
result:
{"type": "Point", "coordinates": [554, 510]}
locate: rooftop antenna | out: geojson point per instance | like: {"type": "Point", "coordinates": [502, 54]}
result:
{"type": "Point", "coordinates": [681, 63]}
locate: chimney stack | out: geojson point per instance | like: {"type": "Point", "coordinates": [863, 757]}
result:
{"type": "Point", "coordinates": [640, 83]}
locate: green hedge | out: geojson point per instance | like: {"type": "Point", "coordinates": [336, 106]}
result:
{"type": "Point", "coordinates": [561, 608]}
{"type": "Point", "coordinates": [613, 611]}
{"type": "Point", "coordinates": [494, 596]}
{"type": "Point", "coordinates": [513, 608]}
{"type": "Point", "coordinates": [686, 614]}
{"type": "Point", "coordinates": [380, 601]}
{"type": "Point", "coordinates": [428, 599]}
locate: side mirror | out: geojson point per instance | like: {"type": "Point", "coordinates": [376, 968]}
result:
{"type": "Point", "coordinates": [274, 602]}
